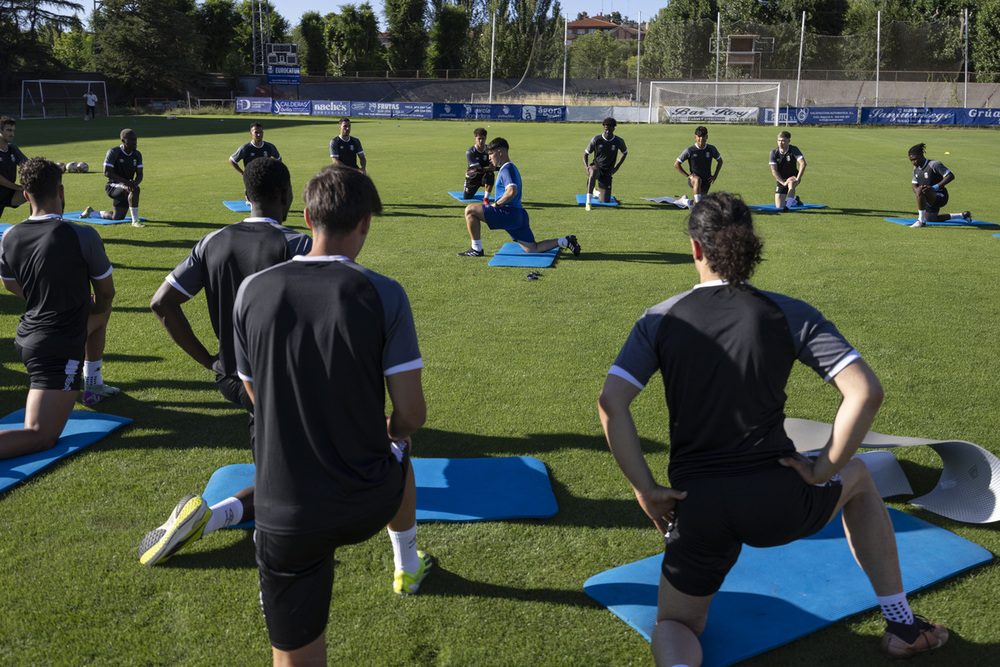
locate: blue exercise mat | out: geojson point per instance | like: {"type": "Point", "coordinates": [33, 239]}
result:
{"type": "Point", "coordinates": [237, 206]}
{"type": "Point", "coordinates": [947, 223]}
{"type": "Point", "coordinates": [478, 199]}
{"type": "Point", "coordinates": [82, 429]}
{"type": "Point", "coordinates": [774, 596]}
{"type": "Point", "coordinates": [581, 200]}
{"type": "Point", "coordinates": [96, 219]}
{"type": "Point", "coordinates": [996, 235]}
{"type": "Point", "coordinates": [3, 228]}
{"type": "Point", "coordinates": [774, 209]}
{"type": "Point", "coordinates": [512, 254]}
{"type": "Point", "coordinates": [448, 490]}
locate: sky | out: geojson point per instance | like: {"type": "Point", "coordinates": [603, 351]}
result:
{"type": "Point", "coordinates": [292, 10]}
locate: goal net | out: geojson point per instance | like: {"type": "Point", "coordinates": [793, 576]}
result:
{"type": "Point", "coordinates": [712, 102]}
{"type": "Point", "coordinates": [55, 98]}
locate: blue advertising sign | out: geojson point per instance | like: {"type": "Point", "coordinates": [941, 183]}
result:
{"type": "Point", "coordinates": [977, 116]}
{"type": "Point", "coordinates": [392, 109]}
{"type": "Point", "coordinates": [292, 107]}
{"type": "Point", "coordinates": [540, 112]}
{"type": "Point", "coordinates": [907, 115]}
{"type": "Point", "coordinates": [284, 75]}
{"type": "Point", "coordinates": [810, 115]}
{"type": "Point", "coordinates": [330, 108]}
{"type": "Point", "coordinates": [459, 110]}
{"type": "Point", "coordinates": [253, 105]}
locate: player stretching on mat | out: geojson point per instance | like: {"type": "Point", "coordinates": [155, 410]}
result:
{"type": "Point", "coordinates": [123, 169]}
{"type": "Point", "coordinates": [787, 166]}
{"type": "Point", "coordinates": [11, 157]}
{"type": "Point", "coordinates": [480, 171]}
{"type": "Point", "coordinates": [929, 180]}
{"type": "Point", "coordinates": [507, 213]}
{"type": "Point", "coordinates": [52, 264]}
{"type": "Point", "coordinates": [347, 150]}
{"type": "Point", "coordinates": [605, 147]}
{"type": "Point", "coordinates": [699, 158]}
{"type": "Point", "coordinates": [218, 264]}
{"type": "Point", "coordinates": [725, 351]}
{"type": "Point", "coordinates": [320, 340]}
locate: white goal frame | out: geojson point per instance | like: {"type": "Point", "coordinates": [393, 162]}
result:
{"type": "Point", "coordinates": [30, 87]}
{"type": "Point", "coordinates": [716, 94]}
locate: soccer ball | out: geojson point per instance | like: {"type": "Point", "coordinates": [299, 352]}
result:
{"type": "Point", "coordinates": [61, 165]}
{"type": "Point", "coordinates": [83, 167]}
{"type": "Point", "coordinates": [73, 167]}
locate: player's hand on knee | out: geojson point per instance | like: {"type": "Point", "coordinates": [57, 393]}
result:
{"type": "Point", "coordinates": [806, 467]}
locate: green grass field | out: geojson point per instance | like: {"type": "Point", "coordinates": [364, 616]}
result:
{"type": "Point", "coordinates": [513, 367]}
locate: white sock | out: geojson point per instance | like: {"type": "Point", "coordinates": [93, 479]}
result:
{"type": "Point", "coordinates": [563, 243]}
{"type": "Point", "coordinates": [134, 212]}
{"type": "Point", "coordinates": [895, 608]}
{"type": "Point", "coordinates": [922, 216]}
{"type": "Point", "coordinates": [404, 549]}
{"type": "Point", "coordinates": [477, 244]}
{"type": "Point", "coordinates": [588, 197]}
{"type": "Point", "coordinates": [92, 373]}
{"type": "Point", "coordinates": [228, 512]}
{"type": "Point", "coordinates": [955, 216]}
{"type": "Point", "coordinates": [697, 198]}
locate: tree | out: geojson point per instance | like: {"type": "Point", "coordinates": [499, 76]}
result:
{"type": "Point", "coordinates": [986, 29]}
{"type": "Point", "coordinates": [276, 25]}
{"type": "Point", "coordinates": [311, 35]}
{"type": "Point", "coordinates": [218, 21]}
{"type": "Point", "coordinates": [353, 40]}
{"type": "Point", "coordinates": [149, 47]}
{"type": "Point", "coordinates": [75, 50]}
{"type": "Point", "coordinates": [449, 36]}
{"type": "Point", "coordinates": [600, 56]}
{"type": "Point", "coordinates": [408, 33]}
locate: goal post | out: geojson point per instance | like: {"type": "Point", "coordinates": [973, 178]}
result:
{"type": "Point", "coordinates": [60, 98]}
{"type": "Point", "coordinates": [712, 101]}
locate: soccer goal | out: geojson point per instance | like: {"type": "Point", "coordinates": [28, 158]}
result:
{"type": "Point", "coordinates": [711, 101]}
{"type": "Point", "coordinates": [55, 98]}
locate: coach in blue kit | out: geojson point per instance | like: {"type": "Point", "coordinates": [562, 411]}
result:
{"type": "Point", "coordinates": [605, 147]}
{"type": "Point", "coordinates": [699, 158]}
{"type": "Point", "coordinates": [256, 148]}
{"type": "Point", "coordinates": [725, 351]}
{"type": "Point", "coordinates": [320, 340]}
{"type": "Point", "coordinates": [507, 213]}
{"type": "Point", "coordinates": [52, 264]}
{"type": "Point", "coordinates": [218, 264]}
{"type": "Point", "coordinates": [347, 150]}
{"type": "Point", "coordinates": [929, 180]}
{"type": "Point", "coordinates": [787, 166]}
{"type": "Point", "coordinates": [11, 157]}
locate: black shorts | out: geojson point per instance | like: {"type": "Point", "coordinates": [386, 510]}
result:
{"type": "Point", "coordinates": [52, 369]}
{"type": "Point", "coordinates": [721, 514]}
{"type": "Point", "coordinates": [604, 177]}
{"type": "Point", "coordinates": [780, 189]}
{"type": "Point", "coordinates": [706, 184]}
{"type": "Point", "coordinates": [6, 195]}
{"type": "Point", "coordinates": [939, 203]}
{"type": "Point", "coordinates": [474, 182]}
{"type": "Point", "coordinates": [118, 194]}
{"type": "Point", "coordinates": [296, 574]}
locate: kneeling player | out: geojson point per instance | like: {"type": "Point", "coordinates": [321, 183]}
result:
{"type": "Point", "coordinates": [507, 213]}
{"type": "Point", "coordinates": [481, 171]}
{"type": "Point", "coordinates": [929, 180]}
{"type": "Point", "coordinates": [605, 147]}
{"type": "Point", "coordinates": [123, 169]}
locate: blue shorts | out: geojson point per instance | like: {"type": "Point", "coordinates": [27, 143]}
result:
{"type": "Point", "coordinates": [511, 219]}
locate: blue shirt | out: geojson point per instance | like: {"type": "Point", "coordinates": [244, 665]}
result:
{"type": "Point", "coordinates": [509, 175]}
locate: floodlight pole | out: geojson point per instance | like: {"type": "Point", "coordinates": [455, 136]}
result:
{"type": "Point", "coordinates": [493, 46]}
{"type": "Point", "coordinates": [802, 41]}
{"type": "Point", "coordinates": [638, 59]}
{"type": "Point", "coordinates": [565, 52]}
{"type": "Point", "coordinates": [878, 54]}
{"type": "Point", "coordinates": [966, 103]}
{"type": "Point", "coordinates": [718, 47]}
